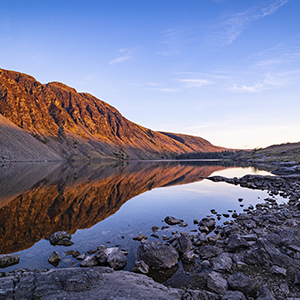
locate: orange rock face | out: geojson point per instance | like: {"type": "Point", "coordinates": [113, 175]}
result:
{"type": "Point", "coordinates": [80, 126]}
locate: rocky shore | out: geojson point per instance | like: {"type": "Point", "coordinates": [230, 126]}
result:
{"type": "Point", "coordinates": [255, 255]}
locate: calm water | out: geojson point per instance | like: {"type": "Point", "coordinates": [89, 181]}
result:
{"type": "Point", "coordinates": [108, 204]}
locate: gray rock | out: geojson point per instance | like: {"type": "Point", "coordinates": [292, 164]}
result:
{"type": "Point", "coordinates": [140, 237]}
{"type": "Point", "coordinates": [157, 255]}
{"type": "Point", "coordinates": [202, 237]}
{"type": "Point", "coordinates": [140, 267]}
{"type": "Point", "coordinates": [278, 270]}
{"type": "Point", "coordinates": [257, 257]}
{"type": "Point", "coordinates": [233, 295]}
{"type": "Point", "coordinates": [172, 221]}
{"type": "Point", "coordinates": [54, 259]}
{"type": "Point", "coordinates": [81, 256]}
{"type": "Point", "coordinates": [116, 258]}
{"type": "Point", "coordinates": [61, 238]}
{"type": "Point", "coordinates": [7, 260]}
{"type": "Point", "coordinates": [240, 282]}
{"type": "Point", "coordinates": [297, 279]}
{"type": "Point", "coordinates": [189, 256]}
{"type": "Point", "coordinates": [209, 251]}
{"type": "Point", "coordinates": [236, 242]}
{"type": "Point", "coordinates": [183, 243]}
{"type": "Point", "coordinates": [216, 283]}
{"type": "Point", "coordinates": [222, 263]}
{"type": "Point", "coordinates": [264, 294]}
{"type": "Point", "coordinates": [88, 283]}
{"type": "Point", "coordinates": [90, 261]}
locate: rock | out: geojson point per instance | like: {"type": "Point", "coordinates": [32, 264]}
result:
{"type": "Point", "coordinates": [202, 237]}
{"type": "Point", "coordinates": [172, 221]}
{"type": "Point", "coordinates": [54, 259]}
{"type": "Point", "coordinates": [278, 270]}
{"type": "Point", "coordinates": [140, 267]}
{"type": "Point", "coordinates": [264, 294]}
{"type": "Point", "coordinates": [140, 237]}
{"type": "Point", "coordinates": [189, 256]}
{"type": "Point", "coordinates": [116, 258]}
{"type": "Point", "coordinates": [216, 283]}
{"type": "Point", "coordinates": [157, 255]}
{"type": "Point", "coordinates": [61, 238]}
{"type": "Point", "coordinates": [88, 283]}
{"type": "Point", "coordinates": [90, 261]}
{"type": "Point", "coordinates": [81, 256]}
{"type": "Point", "coordinates": [155, 229]}
{"type": "Point", "coordinates": [76, 253]}
{"type": "Point", "coordinates": [240, 282]}
{"type": "Point", "coordinates": [257, 257]}
{"type": "Point", "coordinates": [208, 222]}
{"type": "Point", "coordinates": [233, 295]}
{"type": "Point", "coordinates": [7, 260]}
{"type": "Point", "coordinates": [183, 224]}
{"type": "Point", "coordinates": [236, 242]}
{"type": "Point", "coordinates": [222, 263]}
{"type": "Point", "coordinates": [183, 243]}
{"type": "Point", "coordinates": [297, 279]}
{"type": "Point", "coordinates": [209, 251]}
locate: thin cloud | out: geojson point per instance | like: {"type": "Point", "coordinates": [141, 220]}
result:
{"type": "Point", "coordinates": [194, 83]}
{"type": "Point", "coordinates": [271, 9]}
{"type": "Point", "coordinates": [119, 60]}
{"type": "Point", "coordinates": [232, 27]}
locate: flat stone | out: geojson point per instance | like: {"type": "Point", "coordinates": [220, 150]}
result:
{"type": "Point", "coordinates": [278, 270]}
{"type": "Point", "coordinates": [90, 261]}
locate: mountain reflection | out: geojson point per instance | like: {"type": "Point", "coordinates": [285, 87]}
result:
{"type": "Point", "coordinates": [38, 199]}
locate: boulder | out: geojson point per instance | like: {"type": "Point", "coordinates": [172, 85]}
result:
{"type": "Point", "coordinates": [240, 282]}
{"type": "Point", "coordinates": [157, 255]}
{"type": "Point", "coordinates": [116, 258]}
{"type": "Point", "coordinates": [208, 222]}
{"type": "Point", "coordinates": [172, 221]}
{"type": "Point", "coordinates": [216, 283]}
{"type": "Point", "coordinates": [54, 259]}
{"type": "Point", "coordinates": [7, 260]}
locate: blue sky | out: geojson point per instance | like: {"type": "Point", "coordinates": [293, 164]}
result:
{"type": "Point", "coordinates": [225, 70]}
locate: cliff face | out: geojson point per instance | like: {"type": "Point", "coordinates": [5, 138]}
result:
{"type": "Point", "coordinates": [78, 125]}
{"type": "Point", "coordinates": [69, 198]}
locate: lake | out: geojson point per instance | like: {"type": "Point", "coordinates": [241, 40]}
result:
{"type": "Point", "coordinates": [109, 203]}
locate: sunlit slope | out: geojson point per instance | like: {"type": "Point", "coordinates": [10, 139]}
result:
{"type": "Point", "coordinates": [78, 125]}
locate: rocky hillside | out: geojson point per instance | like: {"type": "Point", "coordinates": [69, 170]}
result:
{"type": "Point", "coordinates": [80, 126]}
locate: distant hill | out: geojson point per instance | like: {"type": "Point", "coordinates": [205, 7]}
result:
{"type": "Point", "coordinates": [80, 126]}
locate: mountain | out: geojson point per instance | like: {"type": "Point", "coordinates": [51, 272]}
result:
{"type": "Point", "coordinates": [80, 126]}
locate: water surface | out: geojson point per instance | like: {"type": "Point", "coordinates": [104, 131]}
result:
{"type": "Point", "coordinates": [108, 204]}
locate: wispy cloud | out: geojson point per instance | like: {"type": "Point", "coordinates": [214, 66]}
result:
{"type": "Point", "coordinates": [272, 8]}
{"type": "Point", "coordinates": [232, 26]}
{"type": "Point", "coordinates": [123, 55]}
{"type": "Point", "coordinates": [119, 60]}
{"type": "Point", "coordinates": [194, 83]}
{"type": "Point", "coordinates": [270, 82]}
